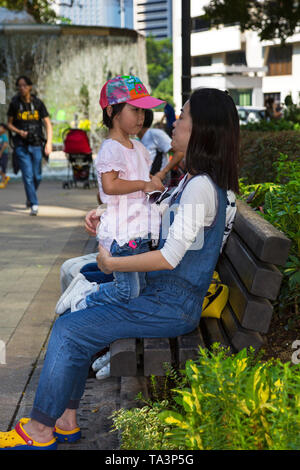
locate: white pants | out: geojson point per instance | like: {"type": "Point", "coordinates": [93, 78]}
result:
{"type": "Point", "coordinates": [71, 267]}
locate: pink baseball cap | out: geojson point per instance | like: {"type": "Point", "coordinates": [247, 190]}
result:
{"type": "Point", "coordinates": [127, 89]}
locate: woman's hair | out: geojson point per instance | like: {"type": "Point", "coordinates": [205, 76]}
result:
{"type": "Point", "coordinates": [3, 125]}
{"type": "Point", "coordinates": [26, 79]}
{"type": "Point", "coordinates": [116, 109]}
{"type": "Point", "coordinates": [213, 147]}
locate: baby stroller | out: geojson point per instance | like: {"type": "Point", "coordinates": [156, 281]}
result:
{"type": "Point", "coordinates": [79, 155]}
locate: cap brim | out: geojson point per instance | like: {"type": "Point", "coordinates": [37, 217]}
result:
{"type": "Point", "coordinates": [146, 102]}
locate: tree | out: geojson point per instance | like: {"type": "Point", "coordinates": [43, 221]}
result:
{"type": "Point", "coordinates": [160, 67]}
{"type": "Point", "coordinates": [270, 18]}
{"type": "Point", "coordinates": [41, 10]}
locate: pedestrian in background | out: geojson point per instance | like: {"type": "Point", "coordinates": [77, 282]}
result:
{"type": "Point", "coordinates": [27, 115]}
{"type": "Point", "coordinates": [170, 117]}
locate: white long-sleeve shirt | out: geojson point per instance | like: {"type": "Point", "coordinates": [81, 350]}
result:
{"type": "Point", "coordinates": [197, 209]}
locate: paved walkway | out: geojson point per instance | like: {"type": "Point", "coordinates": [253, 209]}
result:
{"type": "Point", "coordinates": [32, 251]}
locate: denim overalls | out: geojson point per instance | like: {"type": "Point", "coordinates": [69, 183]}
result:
{"type": "Point", "coordinates": [169, 306]}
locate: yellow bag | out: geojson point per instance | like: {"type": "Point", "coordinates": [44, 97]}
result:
{"type": "Point", "coordinates": [216, 298]}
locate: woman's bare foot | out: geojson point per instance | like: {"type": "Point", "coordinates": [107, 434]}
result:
{"type": "Point", "coordinates": [68, 421]}
{"type": "Point", "coordinates": [38, 432]}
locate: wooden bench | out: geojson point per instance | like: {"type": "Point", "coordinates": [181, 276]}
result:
{"type": "Point", "coordinates": [248, 266]}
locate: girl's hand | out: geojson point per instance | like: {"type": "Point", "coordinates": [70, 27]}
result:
{"type": "Point", "coordinates": [103, 259]}
{"type": "Point", "coordinates": [154, 185]}
{"type": "Point", "coordinates": [92, 219]}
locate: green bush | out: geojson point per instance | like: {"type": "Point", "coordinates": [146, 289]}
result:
{"type": "Point", "coordinates": [236, 402]}
{"type": "Point", "coordinates": [279, 203]}
{"type": "Point", "coordinates": [142, 429]}
{"type": "Point", "coordinates": [58, 131]}
{"type": "Point", "coordinates": [259, 150]}
{"type": "Point", "coordinates": [273, 125]}
{"type": "Point", "coordinates": [221, 402]}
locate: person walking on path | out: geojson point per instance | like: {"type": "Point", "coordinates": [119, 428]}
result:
{"type": "Point", "coordinates": [179, 272]}
{"type": "Point", "coordinates": [26, 116]}
{"type": "Point", "coordinates": [3, 155]}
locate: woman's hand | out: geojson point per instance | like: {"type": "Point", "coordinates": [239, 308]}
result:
{"type": "Point", "coordinates": [154, 185]}
{"type": "Point", "coordinates": [103, 259]}
{"type": "Point", "coordinates": [92, 219]}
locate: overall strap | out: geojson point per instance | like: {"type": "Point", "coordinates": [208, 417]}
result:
{"type": "Point", "coordinates": [179, 193]}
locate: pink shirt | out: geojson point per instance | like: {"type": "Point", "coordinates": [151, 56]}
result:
{"type": "Point", "coordinates": [127, 216]}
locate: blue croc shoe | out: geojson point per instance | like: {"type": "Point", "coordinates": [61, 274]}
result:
{"type": "Point", "coordinates": [67, 436]}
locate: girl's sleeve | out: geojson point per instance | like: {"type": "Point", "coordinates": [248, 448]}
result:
{"type": "Point", "coordinates": [196, 209]}
{"type": "Point", "coordinates": [110, 158]}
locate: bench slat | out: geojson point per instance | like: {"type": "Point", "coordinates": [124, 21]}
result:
{"type": "Point", "coordinates": [268, 243]}
{"type": "Point", "coordinates": [253, 313]}
{"type": "Point", "coordinates": [157, 351]}
{"type": "Point", "coordinates": [239, 337]}
{"type": "Point", "coordinates": [123, 359]}
{"type": "Point", "coordinates": [261, 279]}
{"type": "Point", "coordinates": [187, 346]}
{"type": "Point", "coordinates": [213, 332]}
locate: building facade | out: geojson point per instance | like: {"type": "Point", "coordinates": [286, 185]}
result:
{"type": "Point", "coordinates": [153, 17]}
{"type": "Point", "coordinates": [111, 13]}
{"type": "Point", "coordinates": [228, 59]}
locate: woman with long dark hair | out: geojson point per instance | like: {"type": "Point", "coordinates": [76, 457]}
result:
{"type": "Point", "coordinates": [179, 272]}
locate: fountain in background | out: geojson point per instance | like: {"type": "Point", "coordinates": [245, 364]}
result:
{"type": "Point", "coordinates": [68, 65]}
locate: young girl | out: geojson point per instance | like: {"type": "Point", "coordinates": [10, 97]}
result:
{"type": "Point", "coordinates": [123, 165]}
{"type": "Point", "coordinates": [3, 155]}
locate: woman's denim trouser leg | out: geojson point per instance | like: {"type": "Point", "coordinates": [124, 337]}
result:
{"type": "Point", "coordinates": [77, 336]}
{"type": "Point", "coordinates": [65, 368]}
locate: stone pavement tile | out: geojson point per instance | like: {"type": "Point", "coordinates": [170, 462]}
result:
{"type": "Point", "coordinates": [5, 333]}
{"type": "Point", "coordinates": [32, 251]}
{"type": "Point", "coordinates": [10, 316]}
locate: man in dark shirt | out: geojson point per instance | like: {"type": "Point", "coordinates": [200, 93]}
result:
{"type": "Point", "coordinates": [27, 115]}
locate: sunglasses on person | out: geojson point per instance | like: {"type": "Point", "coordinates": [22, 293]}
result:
{"type": "Point", "coordinates": [156, 197]}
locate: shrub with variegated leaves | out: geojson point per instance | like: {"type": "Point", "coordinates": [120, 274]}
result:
{"type": "Point", "coordinates": [236, 402]}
